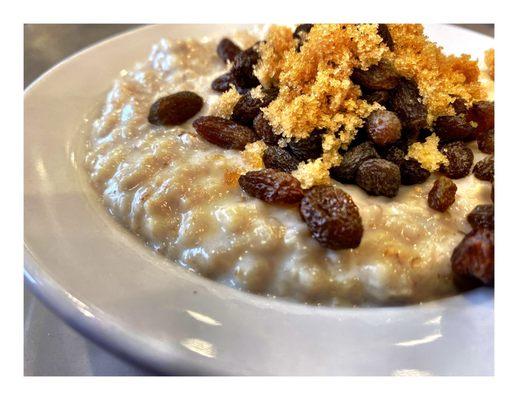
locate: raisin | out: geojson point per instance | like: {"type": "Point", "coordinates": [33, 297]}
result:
{"type": "Point", "coordinates": [486, 142]}
{"type": "Point", "coordinates": [442, 194]}
{"type": "Point", "coordinates": [246, 109]}
{"type": "Point", "coordinates": [386, 37]}
{"type": "Point", "coordinates": [264, 130]}
{"type": "Point", "coordinates": [175, 109]}
{"type": "Point", "coordinates": [351, 161]}
{"type": "Point", "coordinates": [378, 77]}
{"type": "Point", "coordinates": [223, 132]}
{"type": "Point", "coordinates": [475, 256]}
{"type": "Point", "coordinates": [376, 96]}
{"type": "Point", "coordinates": [412, 173]}
{"type": "Point", "coordinates": [407, 103]}
{"type": "Point", "coordinates": [460, 106]}
{"type": "Point", "coordinates": [395, 155]}
{"type": "Point", "coordinates": [332, 217]}
{"type": "Point", "coordinates": [227, 50]}
{"type": "Point", "coordinates": [482, 216]}
{"type": "Point", "coordinates": [270, 95]}
{"type": "Point", "coordinates": [460, 160]}
{"type": "Point", "coordinates": [308, 148]}
{"type": "Point", "coordinates": [379, 177]}
{"type": "Point", "coordinates": [360, 137]}
{"type": "Point", "coordinates": [483, 113]}
{"type": "Point", "coordinates": [493, 191]}
{"type": "Point", "coordinates": [278, 158]}
{"type": "Point", "coordinates": [485, 169]}
{"type": "Point", "coordinates": [423, 134]}
{"type": "Point", "coordinates": [410, 135]}
{"type": "Point", "coordinates": [452, 128]}
{"type": "Point", "coordinates": [222, 83]}
{"type": "Point", "coordinates": [301, 30]}
{"type": "Point", "coordinates": [242, 90]}
{"type": "Point", "coordinates": [272, 186]}
{"type": "Point", "coordinates": [402, 143]}
{"type": "Point", "coordinates": [243, 68]}
{"type": "Point", "coordinates": [383, 127]}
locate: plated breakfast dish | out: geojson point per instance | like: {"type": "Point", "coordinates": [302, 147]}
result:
{"type": "Point", "coordinates": [347, 164]}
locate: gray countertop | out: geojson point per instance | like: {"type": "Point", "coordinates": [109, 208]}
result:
{"type": "Point", "coordinates": [50, 346]}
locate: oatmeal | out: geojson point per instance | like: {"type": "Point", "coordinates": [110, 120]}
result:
{"type": "Point", "coordinates": [181, 193]}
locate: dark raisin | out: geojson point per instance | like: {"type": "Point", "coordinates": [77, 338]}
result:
{"type": "Point", "coordinates": [175, 109]}
{"type": "Point", "coordinates": [482, 216]}
{"type": "Point", "coordinates": [278, 158]}
{"type": "Point", "coordinates": [360, 137]}
{"type": "Point", "coordinates": [223, 132]}
{"type": "Point", "coordinates": [270, 95]}
{"type": "Point", "coordinates": [483, 113]}
{"type": "Point", "coordinates": [486, 141]}
{"type": "Point", "coordinates": [475, 256]}
{"type": "Point", "coordinates": [376, 96]}
{"type": "Point", "coordinates": [395, 155]}
{"type": "Point", "coordinates": [442, 194]}
{"type": "Point", "coordinates": [332, 217]}
{"type": "Point", "coordinates": [227, 50]}
{"type": "Point", "coordinates": [410, 135]}
{"type": "Point", "coordinates": [383, 31]}
{"type": "Point", "coordinates": [379, 177]}
{"type": "Point", "coordinates": [351, 161]}
{"type": "Point", "coordinates": [452, 128]}
{"type": "Point", "coordinates": [460, 160]}
{"type": "Point", "coordinates": [242, 90]}
{"type": "Point", "coordinates": [407, 103]}
{"type": "Point", "coordinates": [403, 143]}
{"type": "Point", "coordinates": [272, 186]}
{"type": "Point", "coordinates": [485, 169]}
{"type": "Point", "coordinates": [382, 76]}
{"type": "Point", "coordinates": [383, 127]}
{"type": "Point", "coordinates": [412, 173]}
{"type": "Point", "coordinates": [301, 30]}
{"type": "Point", "coordinates": [308, 148]}
{"type": "Point", "coordinates": [246, 109]}
{"type": "Point", "coordinates": [460, 106]}
{"type": "Point", "coordinates": [423, 134]}
{"type": "Point", "coordinates": [264, 129]}
{"type": "Point", "coordinates": [222, 83]}
{"type": "Point", "coordinates": [493, 191]}
{"type": "Point", "coordinates": [243, 68]}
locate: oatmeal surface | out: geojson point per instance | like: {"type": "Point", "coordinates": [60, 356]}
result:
{"type": "Point", "coordinates": [179, 193]}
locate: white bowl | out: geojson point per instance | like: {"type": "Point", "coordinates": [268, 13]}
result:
{"type": "Point", "coordinates": [108, 285]}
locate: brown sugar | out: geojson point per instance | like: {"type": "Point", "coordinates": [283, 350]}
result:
{"type": "Point", "coordinates": [315, 89]}
{"type": "Point", "coordinates": [316, 92]}
{"type": "Point", "coordinates": [225, 104]}
{"type": "Point", "coordinates": [428, 153]}
{"type": "Point", "coordinates": [253, 158]}
{"type": "Point", "coordinates": [489, 60]}
{"type": "Point", "coordinates": [441, 78]}
{"type": "Point", "coordinates": [231, 176]}
{"type": "Point", "coordinates": [279, 40]}
{"type": "Point", "coordinates": [253, 154]}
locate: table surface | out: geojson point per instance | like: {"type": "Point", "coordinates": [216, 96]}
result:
{"type": "Point", "coordinates": [50, 346]}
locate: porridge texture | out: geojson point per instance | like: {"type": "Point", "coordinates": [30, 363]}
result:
{"type": "Point", "coordinates": [180, 194]}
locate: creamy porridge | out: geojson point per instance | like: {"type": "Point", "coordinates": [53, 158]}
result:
{"type": "Point", "coordinates": [178, 193]}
